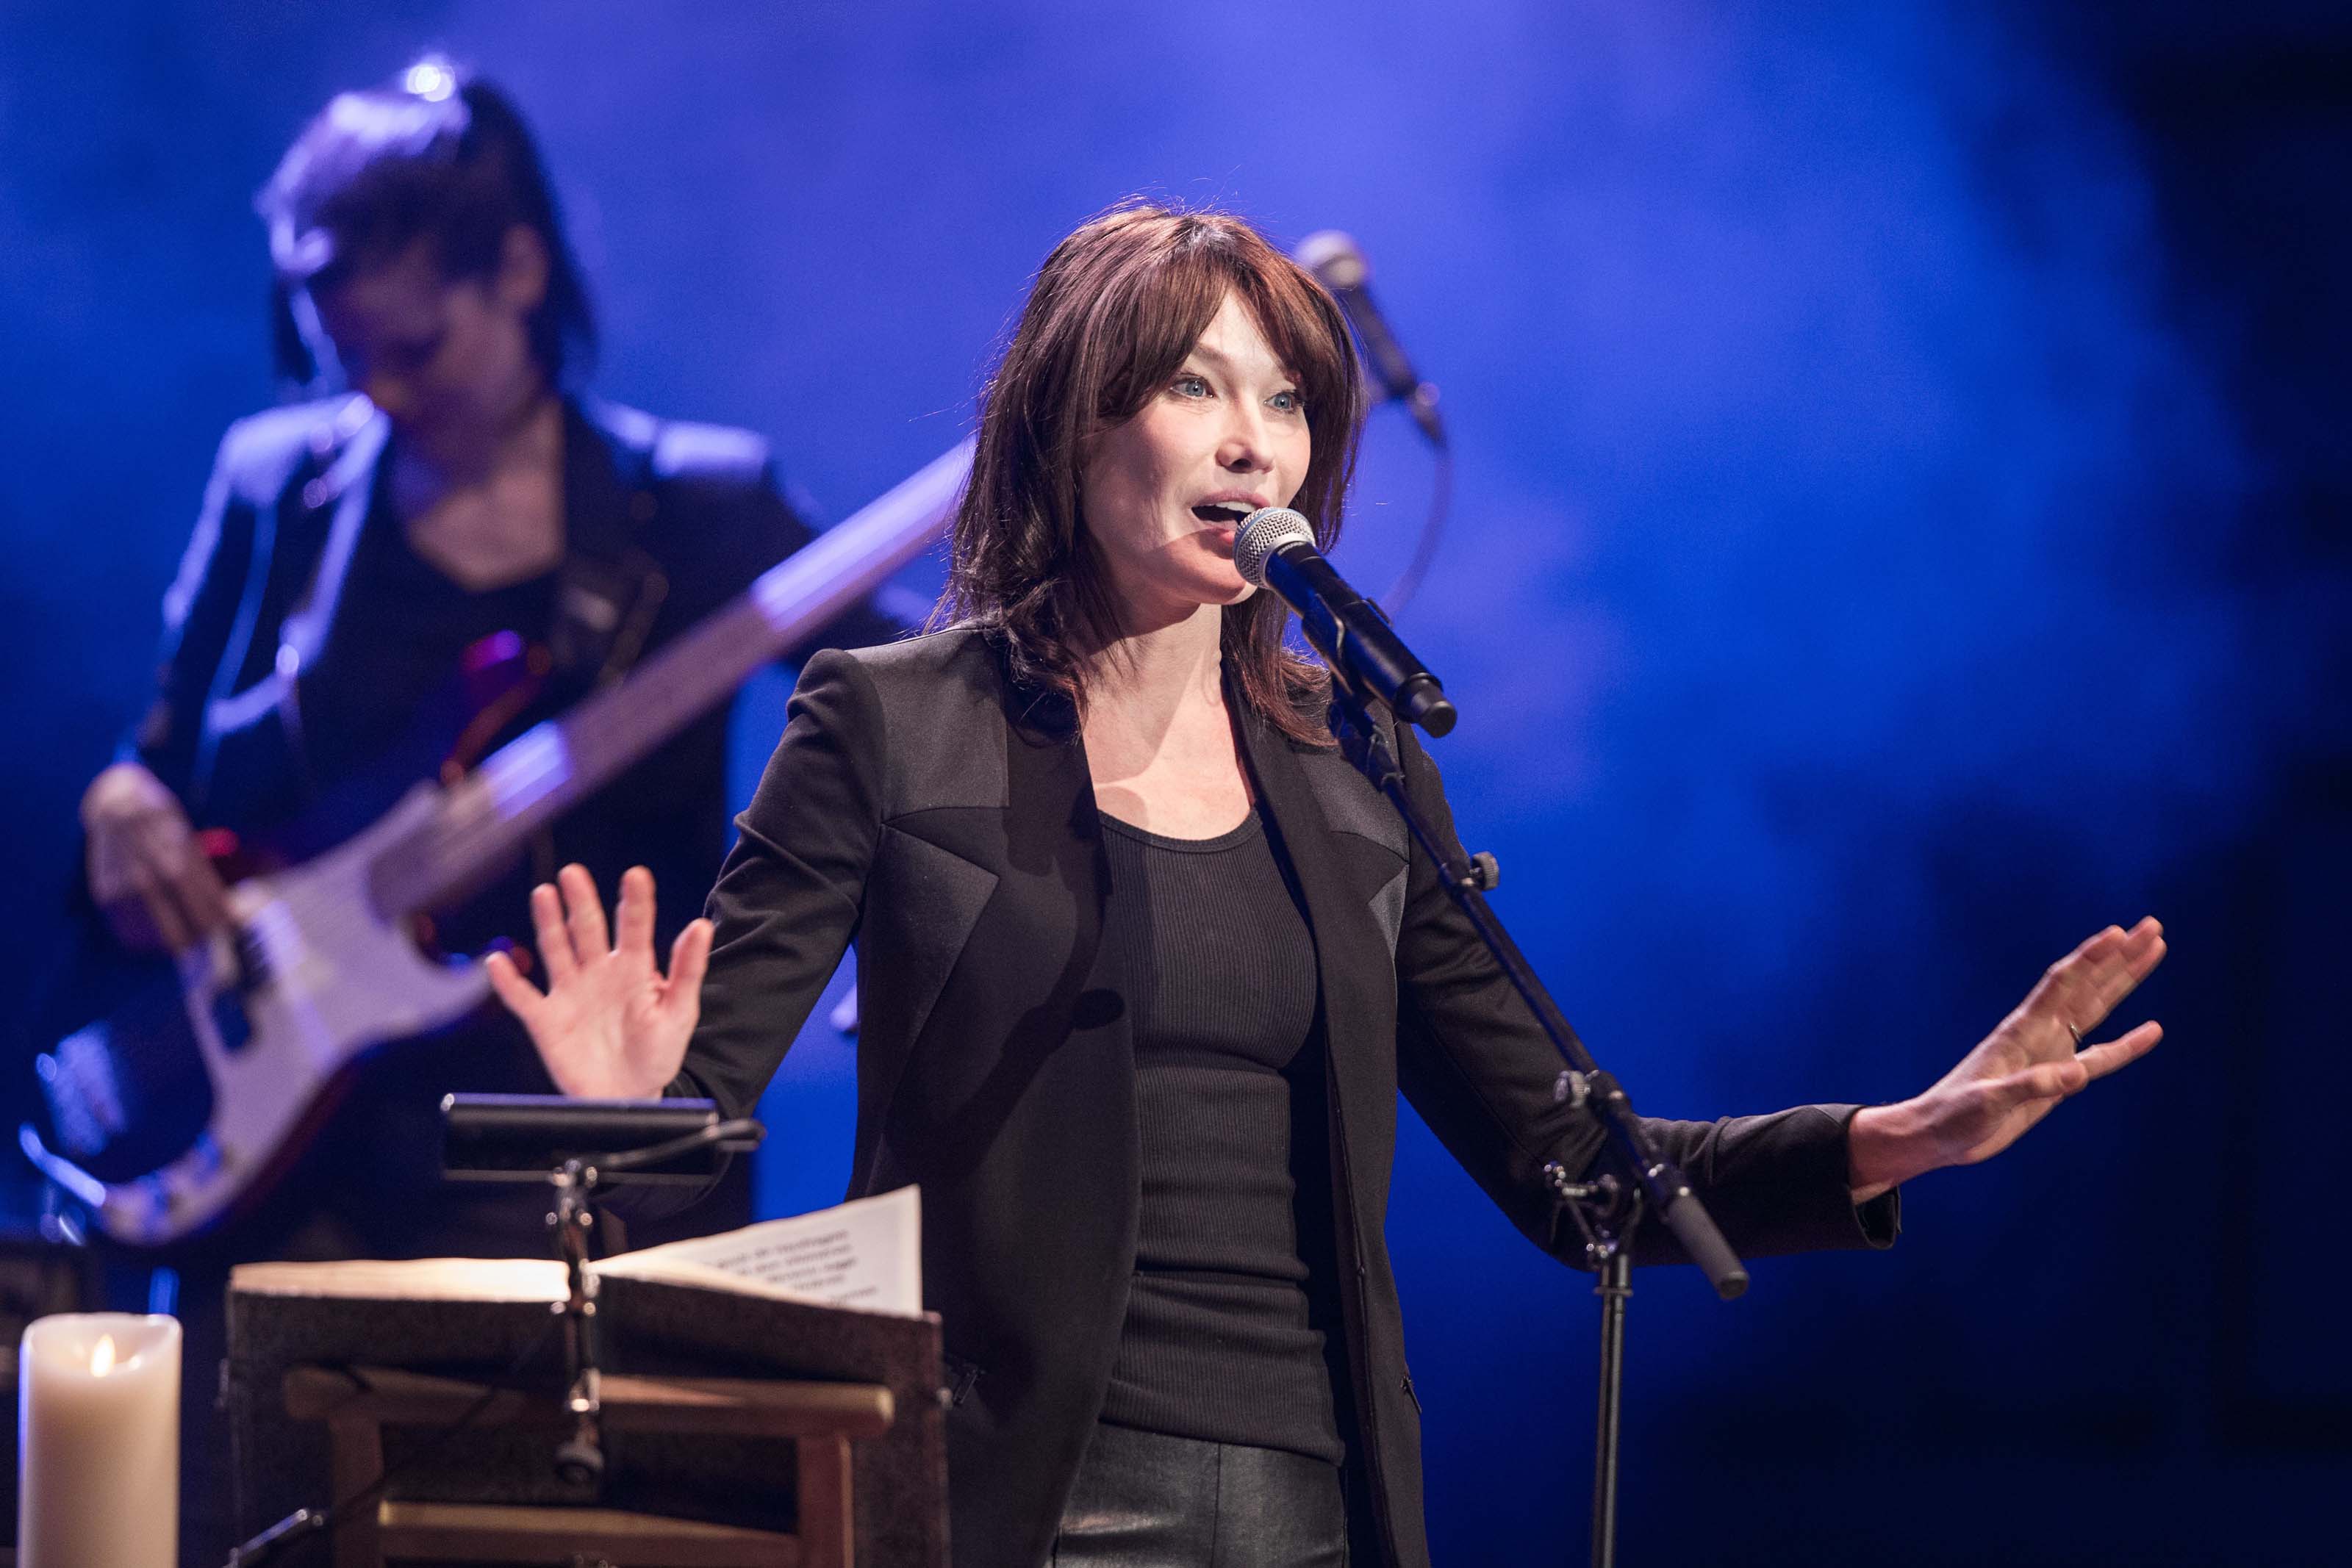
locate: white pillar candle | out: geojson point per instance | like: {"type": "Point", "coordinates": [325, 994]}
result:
{"type": "Point", "coordinates": [98, 1433]}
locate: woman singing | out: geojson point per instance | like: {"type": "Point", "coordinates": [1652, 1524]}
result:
{"type": "Point", "coordinates": [1143, 961]}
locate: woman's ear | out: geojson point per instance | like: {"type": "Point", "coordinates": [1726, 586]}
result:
{"type": "Point", "coordinates": [521, 282]}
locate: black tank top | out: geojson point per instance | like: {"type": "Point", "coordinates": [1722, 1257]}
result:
{"type": "Point", "coordinates": [1224, 1339]}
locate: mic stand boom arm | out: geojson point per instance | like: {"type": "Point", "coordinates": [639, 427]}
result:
{"type": "Point", "coordinates": [1639, 1177]}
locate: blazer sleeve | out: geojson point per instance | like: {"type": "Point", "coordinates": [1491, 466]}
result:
{"type": "Point", "coordinates": [792, 892]}
{"type": "Point", "coordinates": [200, 615]}
{"type": "Point", "coordinates": [1472, 1061]}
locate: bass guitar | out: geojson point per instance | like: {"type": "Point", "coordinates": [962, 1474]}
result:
{"type": "Point", "coordinates": [319, 964]}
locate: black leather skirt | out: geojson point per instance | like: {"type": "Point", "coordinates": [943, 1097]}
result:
{"type": "Point", "coordinates": [1144, 1501]}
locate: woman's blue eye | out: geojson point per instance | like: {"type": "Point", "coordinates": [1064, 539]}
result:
{"type": "Point", "coordinates": [1287, 402]}
{"type": "Point", "coordinates": [1192, 386]}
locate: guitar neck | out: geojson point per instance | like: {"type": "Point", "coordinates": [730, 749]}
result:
{"type": "Point", "coordinates": [485, 817]}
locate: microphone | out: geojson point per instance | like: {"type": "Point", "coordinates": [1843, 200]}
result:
{"type": "Point", "coordinates": [1336, 259]}
{"type": "Point", "coordinates": [1275, 549]}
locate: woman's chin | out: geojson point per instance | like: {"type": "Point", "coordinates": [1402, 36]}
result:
{"type": "Point", "coordinates": [1226, 588]}
{"type": "Point", "coordinates": [1186, 574]}
{"type": "Point", "coordinates": [1220, 582]}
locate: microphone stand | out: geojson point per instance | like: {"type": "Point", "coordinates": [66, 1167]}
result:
{"type": "Point", "coordinates": [580, 1459]}
{"type": "Point", "coordinates": [1639, 1178]}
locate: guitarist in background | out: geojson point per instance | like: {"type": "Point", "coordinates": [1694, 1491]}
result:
{"type": "Point", "coordinates": [458, 541]}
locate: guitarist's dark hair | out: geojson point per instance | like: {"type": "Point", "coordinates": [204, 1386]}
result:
{"type": "Point", "coordinates": [436, 153]}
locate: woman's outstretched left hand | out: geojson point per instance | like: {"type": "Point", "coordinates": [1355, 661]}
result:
{"type": "Point", "coordinates": [2018, 1073]}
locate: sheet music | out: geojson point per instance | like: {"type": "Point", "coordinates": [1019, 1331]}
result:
{"type": "Point", "coordinates": [867, 1254]}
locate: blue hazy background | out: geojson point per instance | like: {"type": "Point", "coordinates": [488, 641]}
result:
{"type": "Point", "coordinates": [1899, 528]}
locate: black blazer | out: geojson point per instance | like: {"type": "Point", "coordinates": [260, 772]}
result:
{"type": "Point", "coordinates": [925, 808]}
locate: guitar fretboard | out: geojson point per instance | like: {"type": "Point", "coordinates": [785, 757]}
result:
{"type": "Point", "coordinates": [486, 815]}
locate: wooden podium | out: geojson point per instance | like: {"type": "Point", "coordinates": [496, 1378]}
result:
{"type": "Point", "coordinates": [737, 1429]}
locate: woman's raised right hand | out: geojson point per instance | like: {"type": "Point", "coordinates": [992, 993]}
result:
{"type": "Point", "coordinates": [609, 1024]}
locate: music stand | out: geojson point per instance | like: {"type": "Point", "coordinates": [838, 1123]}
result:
{"type": "Point", "coordinates": [433, 1379]}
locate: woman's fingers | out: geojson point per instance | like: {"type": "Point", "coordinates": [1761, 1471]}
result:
{"type": "Point", "coordinates": [2123, 964]}
{"type": "Point", "coordinates": [156, 890]}
{"type": "Point", "coordinates": [522, 998]}
{"type": "Point", "coordinates": [554, 938]}
{"type": "Point", "coordinates": [203, 894]}
{"type": "Point", "coordinates": [2050, 1079]}
{"type": "Point", "coordinates": [2069, 986]}
{"type": "Point", "coordinates": [634, 919]}
{"type": "Point", "coordinates": [690, 960]}
{"type": "Point", "coordinates": [196, 911]}
{"type": "Point", "coordinates": [586, 913]}
{"type": "Point", "coordinates": [2036, 1058]}
{"type": "Point", "coordinates": [162, 910]}
{"type": "Point", "coordinates": [189, 879]}
{"type": "Point", "coordinates": [606, 1015]}
{"type": "Point", "coordinates": [2081, 989]}
{"type": "Point", "coordinates": [178, 875]}
{"type": "Point", "coordinates": [2104, 1058]}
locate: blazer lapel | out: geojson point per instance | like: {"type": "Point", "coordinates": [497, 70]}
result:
{"type": "Point", "coordinates": [1349, 881]}
{"type": "Point", "coordinates": [1006, 999]}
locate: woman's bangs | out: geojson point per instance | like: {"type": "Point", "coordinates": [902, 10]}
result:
{"type": "Point", "coordinates": [1289, 313]}
{"type": "Point", "coordinates": [1169, 302]}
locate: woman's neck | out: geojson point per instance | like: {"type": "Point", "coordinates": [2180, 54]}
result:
{"type": "Point", "coordinates": [503, 523]}
{"type": "Point", "coordinates": [457, 455]}
{"type": "Point", "coordinates": [1151, 672]}
{"type": "Point", "coordinates": [1160, 742]}
{"type": "Point", "coordinates": [529, 442]}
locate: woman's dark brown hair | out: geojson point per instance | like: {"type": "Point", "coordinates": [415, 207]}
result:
{"type": "Point", "coordinates": [1115, 308]}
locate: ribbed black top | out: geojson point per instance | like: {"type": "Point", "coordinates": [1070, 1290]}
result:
{"type": "Point", "coordinates": [1221, 1340]}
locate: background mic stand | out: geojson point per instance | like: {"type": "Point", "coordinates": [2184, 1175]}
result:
{"type": "Point", "coordinates": [1632, 1176]}
{"type": "Point", "coordinates": [1606, 1211]}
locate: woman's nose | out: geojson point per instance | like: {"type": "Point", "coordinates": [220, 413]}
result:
{"type": "Point", "coordinates": [1245, 449]}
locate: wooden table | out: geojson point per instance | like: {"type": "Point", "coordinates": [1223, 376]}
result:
{"type": "Point", "coordinates": [821, 1419]}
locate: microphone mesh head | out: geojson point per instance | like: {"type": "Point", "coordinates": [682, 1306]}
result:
{"type": "Point", "coordinates": [1262, 533]}
{"type": "Point", "coordinates": [1334, 257]}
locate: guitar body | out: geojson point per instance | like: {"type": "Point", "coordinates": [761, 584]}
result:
{"type": "Point", "coordinates": [257, 1027]}
{"type": "Point", "coordinates": [191, 1082]}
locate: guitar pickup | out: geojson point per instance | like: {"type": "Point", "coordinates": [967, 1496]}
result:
{"type": "Point", "coordinates": [252, 958]}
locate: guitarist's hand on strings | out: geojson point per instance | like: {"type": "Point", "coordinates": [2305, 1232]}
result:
{"type": "Point", "coordinates": [609, 1024]}
{"type": "Point", "coordinates": [147, 872]}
